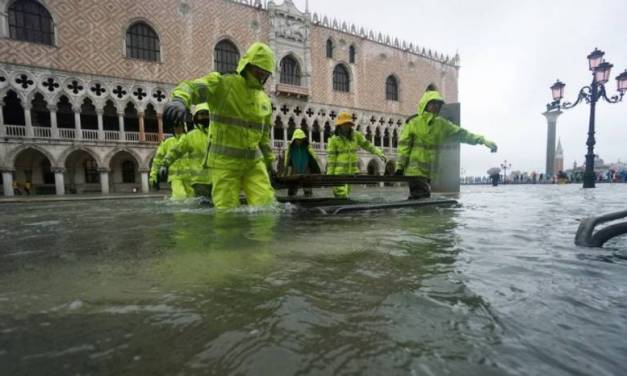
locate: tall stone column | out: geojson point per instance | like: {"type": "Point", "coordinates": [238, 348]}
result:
{"type": "Point", "coordinates": [551, 118]}
{"type": "Point", "coordinates": [7, 183]}
{"type": "Point", "coordinates": [160, 126]}
{"type": "Point", "coordinates": [54, 127]}
{"type": "Point", "coordinates": [28, 120]}
{"type": "Point", "coordinates": [144, 180]}
{"type": "Point", "coordinates": [3, 130]}
{"type": "Point", "coordinates": [104, 180]}
{"type": "Point", "coordinates": [142, 132]}
{"type": "Point", "coordinates": [59, 182]}
{"type": "Point", "coordinates": [100, 114]}
{"type": "Point", "coordinates": [285, 130]}
{"type": "Point", "coordinates": [77, 123]}
{"type": "Point", "coordinates": [121, 126]}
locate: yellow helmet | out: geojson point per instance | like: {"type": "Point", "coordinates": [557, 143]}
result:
{"type": "Point", "coordinates": [344, 118]}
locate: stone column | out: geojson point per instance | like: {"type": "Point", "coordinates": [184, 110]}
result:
{"type": "Point", "coordinates": [272, 137]}
{"type": "Point", "coordinates": [77, 123]}
{"type": "Point", "coordinates": [144, 180]}
{"type": "Point", "coordinates": [7, 183]}
{"type": "Point", "coordinates": [104, 180]}
{"type": "Point", "coordinates": [59, 182]}
{"type": "Point", "coordinates": [551, 118]}
{"type": "Point", "coordinates": [100, 113]}
{"type": "Point", "coordinates": [121, 126]}
{"type": "Point", "coordinates": [3, 130]}
{"type": "Point", "coordinates": [142, 133]}
{"type": "Point", "coordinates": [54, 127]}
{"type": "Point", "coordinates": [28, 120]}
{"type": "Point", "coordinates": [160, 126]}
{"type": "Point", "coordinates": [285, 130]}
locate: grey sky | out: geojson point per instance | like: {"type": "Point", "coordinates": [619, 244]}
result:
{"type": "Point", "coordinates": [511, 52]}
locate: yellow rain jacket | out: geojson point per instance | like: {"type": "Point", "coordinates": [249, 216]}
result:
{"type": "Point", "coordinates": [175, 169]}
{"type": "Point", "coordinates": [240, 112]}
{"type": "Point", "coordinates": [421, 137]}
{"type": "Point", "coordinates": [192, 148]}
{"type": "Point", "coordinates": [342, 153]}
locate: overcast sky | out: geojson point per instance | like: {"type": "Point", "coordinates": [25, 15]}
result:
{"type": "Point", "coordinates": [511, 53]}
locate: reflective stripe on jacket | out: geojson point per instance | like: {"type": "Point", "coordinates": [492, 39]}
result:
{"type": "Point", "coordinates": [240, 110]}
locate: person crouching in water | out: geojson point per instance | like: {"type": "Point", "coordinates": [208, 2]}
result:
{"type": "Point", "coordinates": [421, 137]}
{"type": "Point", "coordinates": [192, 148]}
{"type": "Point", "coordinates": [300, 159]}
{"type": "Point", "coordinates": [342, 151]}
{"type": "Point", "coordinates": [174, 174]}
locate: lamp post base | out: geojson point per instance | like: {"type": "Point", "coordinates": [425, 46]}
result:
{"type": "Point", "coordinates": [589, 180]}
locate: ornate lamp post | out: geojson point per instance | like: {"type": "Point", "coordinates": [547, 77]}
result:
{"type": "Point", "coordinates": [505, 166]}
{"type": "Point", "coordinates": [591, 94]}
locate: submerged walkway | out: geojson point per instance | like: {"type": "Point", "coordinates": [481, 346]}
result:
{"type": "Point", "coordinates": [83, 197]}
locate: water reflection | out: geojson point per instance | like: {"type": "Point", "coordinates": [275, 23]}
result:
{"type": "Point", "coordinates": [151, 287]}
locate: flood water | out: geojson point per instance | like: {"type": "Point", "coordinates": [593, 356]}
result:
{"type": "Point", "coordinates": [494, 286]}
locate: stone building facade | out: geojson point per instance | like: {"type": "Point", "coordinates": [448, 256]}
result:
{"type": "Point", "coordinates": [83, 83]}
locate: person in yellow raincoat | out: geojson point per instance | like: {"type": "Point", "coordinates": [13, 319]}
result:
{"type": "Point", "coordinates": [421, 137]}
{"type": "Point", "coordinates": [300, 159]}
{"type": "Point", "coordinates": [342, 151]}
{"type": "Point", "coordinates": [180, 183]}
{"type": "Point", "coordinates": [239, 154]}
{"type": "Point", "coordinates": [192, 148]}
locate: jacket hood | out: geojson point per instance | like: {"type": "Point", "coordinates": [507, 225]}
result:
{"type": "Point", "coordinates": [200, 107]}
{"type": "Point", "coordinates": [299, 134]}
{"type": "Point", "coordinates": [429, 95]}
{"type": "Point", "coordinates": [258, 54]}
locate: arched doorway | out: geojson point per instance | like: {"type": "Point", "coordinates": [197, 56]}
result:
{"type": "Point", "coordinates": [81, 173]}
{"type": "Point", "coordinates": [315, 134]}
{"type": "Point", "coordinates": [13, 114]}
{"type": "Point", "coordinates": [33, 173]}
{"type": "Point", "coordinates": [278, 130]}
{"type": "Point", "coordinates": [125, 176]}
{"type": "Point", "coordinates": [327, 132]}
{"type": "Point", "coordinates": [373, 168]}
{"type": "Point", "coordinates": [291, 127]}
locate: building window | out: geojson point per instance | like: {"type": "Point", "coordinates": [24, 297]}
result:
{"type": "Point", "coordinates": [391, 89]}
{"type": "Point", "coordinates": [329, 48]}
{"type": "Point", "coordinates": [91, 171]}
{"type": "Point", "coordinates": [142, 42]}
{"type": "Point", "coordinates": [29, 21]}
{"type": "Point", "coordinates": [341, 81]}
{"type": "Point", "coordinates": [351, 54]}
{"type": "Point", "coordinates": [225, 57]}
{"type": "Point", "coordinates": [128, 172]}
{"type": "Point", "coordinates": [290, 71]}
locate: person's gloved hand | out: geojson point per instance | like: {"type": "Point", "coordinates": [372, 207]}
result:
{"type": "Point", "coordinates": [383, 158]}
{"type": "Point", "coordinates": [163, 173]}
{"type": "Point", "coordinates": [175, 112]}
{"type": "Point", "coordinates": [399, 172]}
{"type": "Point", "coordinates": [491, 145]}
